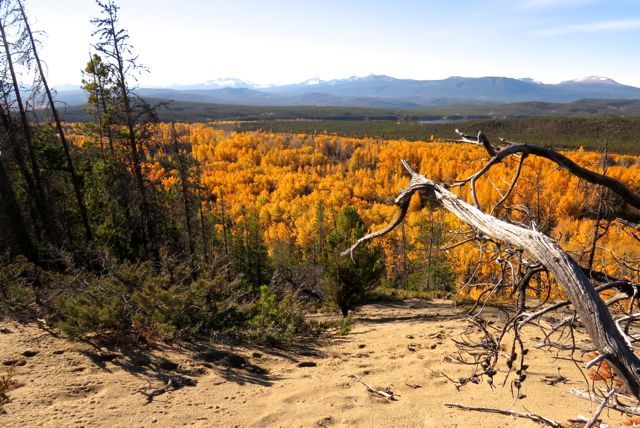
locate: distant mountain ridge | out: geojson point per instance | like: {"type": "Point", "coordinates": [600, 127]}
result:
{"type": "Point", "coordinates": [382, 91]}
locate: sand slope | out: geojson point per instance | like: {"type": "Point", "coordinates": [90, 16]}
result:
{"type": "Point", "coordinates": [396, 346]}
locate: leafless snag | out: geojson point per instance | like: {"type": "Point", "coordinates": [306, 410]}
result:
{"type": "Point", "coordinates": [527, 243]}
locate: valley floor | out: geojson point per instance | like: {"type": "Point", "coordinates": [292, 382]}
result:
{"type": "Point", "coordinates": [401, 347]}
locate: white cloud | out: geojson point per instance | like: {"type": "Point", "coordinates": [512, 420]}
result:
{"type": "Point", "coordinates": [619, 25]}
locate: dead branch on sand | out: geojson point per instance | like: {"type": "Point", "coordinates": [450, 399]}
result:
{"type": "Point", "coordinates": [608, 403]}
{"type": "Point", "coordinates": [531, 416]}
{"type": "Point", "coordinates": [389, 395]}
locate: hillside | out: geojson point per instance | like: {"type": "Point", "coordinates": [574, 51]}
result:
{"type": "Point", "coordinates": [400, 347]}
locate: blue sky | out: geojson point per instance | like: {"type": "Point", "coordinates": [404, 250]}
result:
{"type": "Point", "coordinates": [285, 41]}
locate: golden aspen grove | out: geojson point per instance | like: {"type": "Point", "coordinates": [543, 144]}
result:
{"type": "Point", "coordinates": [285, 178]}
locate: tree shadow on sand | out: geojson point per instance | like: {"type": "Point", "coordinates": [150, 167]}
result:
{"type": "Point", "coordinates": [439, 312]}
{"type": "Point", "coordinates": [191, 360]}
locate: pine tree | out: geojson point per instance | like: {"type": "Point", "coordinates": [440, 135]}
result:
{"type": "Point", "coordinates": [349, 280]}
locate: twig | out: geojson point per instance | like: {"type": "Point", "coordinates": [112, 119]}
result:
{"type": "Point", "coordinates": [588, 396]}
{"type": "Point", "coordinates": [596, 360]}
{"type": "Point", "coordinates": [530, 317]}
{"type": "Point", "coordinates": [531, 416]}
{"type": "Point", "coordinates": [596, 414]}
{"type": "Point", "coordinates": [553, 380]}
{"type": "Point", "coordinates": [388, 395]}
{"type": "Point", "coordinates": [156, 392]}
{"type": "Point", "coordinates": [173, 383]}
{"type": "Point", "coordinates": [511, 186]}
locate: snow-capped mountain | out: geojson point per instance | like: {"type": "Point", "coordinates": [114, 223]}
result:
{"type": "Point", "coordinates": [385, 91]}
{"type": "Point", "coordinates": [530, 80]}
{"type": "Point", "coordinates": [592, 80]}
{"type": "Point", "coordinates": [227, 82]}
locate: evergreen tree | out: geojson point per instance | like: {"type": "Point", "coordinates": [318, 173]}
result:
{"type": "Point", "coordinates": [349, 280]}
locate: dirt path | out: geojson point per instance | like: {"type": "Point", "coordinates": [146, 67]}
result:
{"type": "Point", "coordinates": [400, 347]}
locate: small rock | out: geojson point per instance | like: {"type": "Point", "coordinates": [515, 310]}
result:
{"type": "Point", "coordinates": [307, 364]}
{"type": "Point", "coordinates": [409, 336]}
{"type": "Point", "coordinates": [434, 346]}
{"type": "Point", "coordinates": [5, 330]}
{"type": "Point", "coordinates": [154, 420]}
{"type": "Point", "coordinates": [362, 345]}
{"type": "Point", "coordinates": [256, 355]}
{"type": "Point", "coordinates": [30, 353]}
{"type": "Point", "coordinates": [58, 352]}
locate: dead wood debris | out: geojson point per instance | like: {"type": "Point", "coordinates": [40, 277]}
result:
{"type": "Point", "coordinates": [173, 383]}
{"type": "Point", "coordinates": [531, 416]}
{"type": "Point", "coordinates": [553, 380]}
{"type": "Point", "coordinates": [389, 395]}
{"type": "Point", "coordinates": [608, 403]}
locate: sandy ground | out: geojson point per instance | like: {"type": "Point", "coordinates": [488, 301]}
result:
{"type": "Point", "coordinates": [401, 347]}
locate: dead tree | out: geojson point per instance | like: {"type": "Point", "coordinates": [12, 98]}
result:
{"type": "Point", "coordinates": [609, 339]}
{"type": "Point", "coordinates": [76, 181]}
{"type": "Point", "coordinates": [112, 43]}
{"type": "Point", "coordinates": [43, 209]}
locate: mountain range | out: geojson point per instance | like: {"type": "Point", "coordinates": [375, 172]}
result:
{"type": "Point", "coordinates": [382, 92]}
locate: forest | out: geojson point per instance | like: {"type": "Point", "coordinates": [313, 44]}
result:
{"type": "Point", "coordinates": [135, 228]}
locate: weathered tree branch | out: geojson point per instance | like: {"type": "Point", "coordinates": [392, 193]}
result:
{"type": "Point", "coordinates": [594, 419]}
{"type": "Point", "coordinates": [609, 403]}
{"type": "Point", "coordinates": [606, 336]}
{"type": "Point", "coordinates": [384, 394]}
{"type": "Point", "coordinates": [480, 140]}
{"type": "Point", "coordinates": [608, 286]}
{"type": "Point", "coordinates": [592, 177]}
{"type": "Point", "coordinates": [531, 416]}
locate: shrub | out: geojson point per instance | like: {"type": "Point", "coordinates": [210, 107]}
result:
{"type": "Point", "coordinates": [346, 325]}
{"type": "Point", "coordinates": [277, 320]}
{"type": "Point", "coordinates": [15, 294]}
{"type": "Point", "coordinates": [6, 384]}
{"type": "Point", "coordinates": [349, 281]}
{"type": "Point", "coordinates": [133, 300]}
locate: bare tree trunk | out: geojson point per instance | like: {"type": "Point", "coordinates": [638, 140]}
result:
{"type": "Point", "coordinates": [18, 230]}
{"type": "Point", "coordinates": [18, 157]}
{"type": "Point", "coordinates": [75, 179]}
{"type": "Point", "coordinates": [112, 42]}
{"type": "Point", "coordinates": [40, 196]}
{"type": "Point", "coordinates": [205, 249]}
{"type": "Point", "coordinates": [607, 338]}
{"type": "Point", "coordinates": [186, 195]}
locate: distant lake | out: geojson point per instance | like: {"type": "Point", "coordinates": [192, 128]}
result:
{"type": "Point", "coordinates": [439, 121]}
